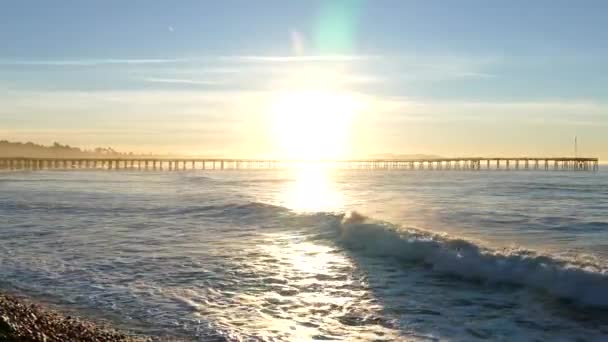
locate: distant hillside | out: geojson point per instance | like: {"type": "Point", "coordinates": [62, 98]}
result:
{"type": "Point", "coordinates": [29, 149]}
{"type": "Point", "coordinates": [57, 150]}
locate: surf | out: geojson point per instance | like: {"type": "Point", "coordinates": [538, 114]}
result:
{"type": "Point", "coordinates": [583, 283]}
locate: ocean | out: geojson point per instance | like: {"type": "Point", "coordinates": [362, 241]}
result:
{"type": "Point", "coordinates": [315, 254]}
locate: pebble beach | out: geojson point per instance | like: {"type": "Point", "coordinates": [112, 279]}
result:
{"type": "Point", "coordinates": [22, 320]}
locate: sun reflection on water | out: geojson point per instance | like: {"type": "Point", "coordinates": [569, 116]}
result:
{"type": "Point", "coordinates": [311, 294]}
{"type": "Point", "coordinates": [312, 190]}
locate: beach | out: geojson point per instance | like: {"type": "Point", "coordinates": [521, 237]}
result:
{"type": "Point", "coordinates": [22, 320]}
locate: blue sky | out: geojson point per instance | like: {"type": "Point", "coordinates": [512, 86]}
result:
{"type": "Point", "coordinates": [450, 78]}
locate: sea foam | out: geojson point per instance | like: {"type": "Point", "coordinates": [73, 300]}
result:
{"type": "Point", "coordinates": [583, 284]}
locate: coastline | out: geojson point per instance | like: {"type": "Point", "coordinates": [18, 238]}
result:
{"type": "Point", "coordinates": [22, 319]}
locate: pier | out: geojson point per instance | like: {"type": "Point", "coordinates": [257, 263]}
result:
{"type": "Point", "coordinates": [177, 164]}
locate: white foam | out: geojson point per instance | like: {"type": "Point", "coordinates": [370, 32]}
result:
{"type": "Point", "coordinates": [584, 284]}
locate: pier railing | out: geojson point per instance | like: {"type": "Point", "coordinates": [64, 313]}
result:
{"type": "Point", "coordinates": [175, 164]}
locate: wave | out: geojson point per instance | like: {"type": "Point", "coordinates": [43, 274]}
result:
{"type": "Point", "coordinates": [580, 282]}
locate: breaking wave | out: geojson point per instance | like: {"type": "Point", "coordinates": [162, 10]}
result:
{"type": "Point", "coordinates": [583, 283]}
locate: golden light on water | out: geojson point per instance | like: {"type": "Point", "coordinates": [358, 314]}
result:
{"type": "Point", "coordinates": [312, 191]}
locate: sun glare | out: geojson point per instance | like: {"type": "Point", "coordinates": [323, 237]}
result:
{"type": "Point", "coordinates": [312, 191]}
{"type": "Point", "coordinates": [313, 125]}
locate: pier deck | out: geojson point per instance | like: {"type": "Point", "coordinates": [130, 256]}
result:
{"type": "Point", "coordinates": [175, 164]}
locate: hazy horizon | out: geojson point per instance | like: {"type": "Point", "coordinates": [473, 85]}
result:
{"type": "Point", "coordinates": [339, 79]}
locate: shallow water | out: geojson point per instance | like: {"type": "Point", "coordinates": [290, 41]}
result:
{"type": "Point", "coordinates": [316, 254]}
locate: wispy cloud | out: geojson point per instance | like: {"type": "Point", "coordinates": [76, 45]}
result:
{"type": "Point", "coordinates": [296, 59]}
{"type": "Point", "coordinates": [204, 118]}
{"type": "Point", "coordinates": [233, 58]}
{"type": "Point", "coordinates": [396, 68]}
{"type": "Point", "coordinates": [199, 119]}
{"type": "Point", "coordinates": [87, 62]}
{"type": "Point", "coordinates": [582, 113]}
{"type": "Point", "coordinates": [183, 81]}
{"type": "Point", "coordinates": [204, 70]}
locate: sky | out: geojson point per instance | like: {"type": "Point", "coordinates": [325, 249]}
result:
{"type": "Point", "coordinates": [270, 78]}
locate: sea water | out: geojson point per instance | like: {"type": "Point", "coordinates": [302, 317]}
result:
{"type": "Point", "coordinates": [316, 254]}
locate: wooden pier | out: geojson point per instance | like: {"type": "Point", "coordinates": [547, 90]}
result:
{"type": "Point", "coordinates": [176, 164]}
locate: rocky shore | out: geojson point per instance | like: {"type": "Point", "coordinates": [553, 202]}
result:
{"type": "Point", "coordinates": [28, 322]}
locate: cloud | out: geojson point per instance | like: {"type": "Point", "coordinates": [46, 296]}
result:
{"type": "Point", "coordinates": [361, 68]}
{"type": "Point", "coordinates": [183, 81]}
{"type": "Point", "coordinates": [181, 118]}
{"type": "Point", "coordinates": [135, 118]}
{"type": "Point", "coordinates": [124, 105]}
{"type": "Point", "coordinates": [88, 62]}
{"type": "Point", "coordinates": [170, 28]}
{"type": "Point", "coordinates": [299, 59]}
{"type": "Point", "coordinates": [581, 113]}
{"type": "Point", "coordinates": [200, 59]}
{"type": "Point", "coordinates": [205, 70]}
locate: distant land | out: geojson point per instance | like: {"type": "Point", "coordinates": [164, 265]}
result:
{"type": "Point", "coordinates": [57, 150]}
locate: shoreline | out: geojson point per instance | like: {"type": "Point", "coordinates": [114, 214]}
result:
{"type": "Point", "coordinates": [23, 319]}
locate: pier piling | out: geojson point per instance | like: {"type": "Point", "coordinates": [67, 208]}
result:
{"type": "Point", "coordinates": [562, 164]}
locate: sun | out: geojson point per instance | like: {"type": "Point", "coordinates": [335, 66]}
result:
{"type": "Point", "coordinates": [313, 124]}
